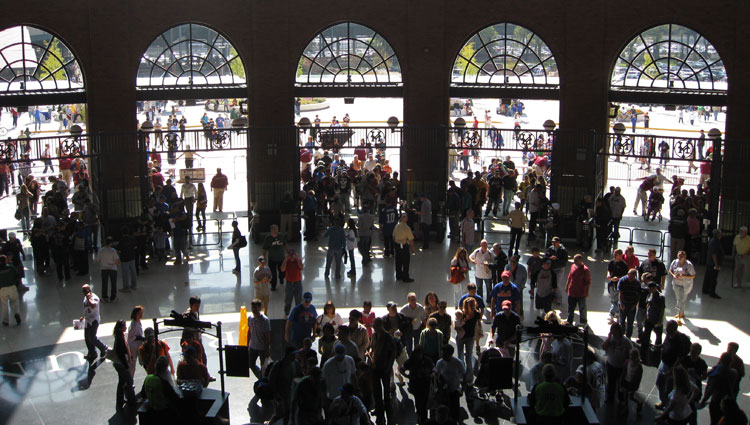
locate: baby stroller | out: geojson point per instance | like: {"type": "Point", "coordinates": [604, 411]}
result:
{"type": "Point", "coordinates": [655, 202]}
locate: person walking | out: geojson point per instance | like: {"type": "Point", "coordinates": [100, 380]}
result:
{"type": "Point", "coordinates": [108, 260]}
{"type": "Point", "coordinates": [403, 240]}
{"type": "Point", "coordinates": [261, 278]}
{"type": "Point", "coordinates": [616, 348]}
{"type": "Point", "coordinates": [459, 273]}
{"type": "Point", "coordinates": [452, 373]}
{"type": "Point", "coordinates": [425, 219]}
{"type": "Point", "coordinates": [126, 249]}
{"type": "Point", "coordinates": [517, 223]}
{"type": "Point", "coordinates": [365, 226]}
{"type": "Point", "coordinates": [482, 257]}
{"type": "Point", "coordinates": [201, 203]}
{"type": "Point", "coordinates": [629, 290]}
{"type": "Point", "coordinates": [616, 269]}
{"type": "Point", "coordinates": [722, 380]}
{"type": "Point", "coordinates": [351, 243]}
{"type": "Point", "coordinates": [302, 322]}
{"type": "Point", "coordinates": [238, 242]}
{"type": "Point", "coordinates": [714, 258]}
{"type": "Point", "coordinates": [136, 338]}
{"type": "Point", "coordinates": [219, 184]}
{"type": "Point", "coordinates": [683, 274]}
{"type": "Point", "coordinates": [292, 268]}
{"type": "Point", "coordinates": [382, 355]}
{"type": "Point", "coordinates": [577, 288]}
{"type": "Point", "coordinates": [274, 250]}
{"type": "Point", "coordinates": [258, 336]}
{"type": "Point", "coordinates": [91, 323]}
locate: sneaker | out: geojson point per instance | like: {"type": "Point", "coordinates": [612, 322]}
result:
{"type": "Point", "coordinates": [103, 351]}
{"type": "Point", "coordinates": [113, 299]}
{"type": "Point", "coordinates": [125, 290]}
{"type": "Point", "coordinates": [18, 319]}
{"type": "Point", "coordinates": [106, 299]}
{"type": "Point", "coordinates": [408, 280]}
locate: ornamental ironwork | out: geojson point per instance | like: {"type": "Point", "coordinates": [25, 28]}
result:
{"type": "Point", "coordinates": [669, 57]}
{"type": "Point", "coordinates": [190, 55]}
{"type": "Point", "coordinates": [32, 59]}
{"type": "Point", "coordinates": [505, 54]}
{"type": "Point", "coordinates": [349, 54]}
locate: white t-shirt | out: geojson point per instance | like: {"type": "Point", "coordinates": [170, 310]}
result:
{"type": "Point", "coordinates": [337, 373]}
{"type": "Point", "coordinates": [685, 269]}
{"type": "Point", "coordinates": [480, 258]}
{"type": "Point", "coordinates": [452, 371]}
{"type": "Point", "coordinates": [91, 309]}
{"type": "Point", "coordinates": [258, 328]}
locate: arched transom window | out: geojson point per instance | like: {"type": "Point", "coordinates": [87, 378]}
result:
{"type": "Point", "coordinates": [349, 53]}
{"type": "Point", "coordinates": [669, 57]}
{"type": "Point", "coordinates": [32, 59]}
{"type": "Point", "coordinates": [190, 55]}
{"type": "Point", "coordinates": [505, 54]}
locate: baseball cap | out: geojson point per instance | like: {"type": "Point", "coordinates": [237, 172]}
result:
{"type": "Point", "coordinates": [149, 332]}
{"type": "Point", "coordinates": [307, 296]}
{"type": "Point", "coordinates": [339, 350]}
{"type": "Point", "coordinates": [548, 261]}
{"type": "Point", "coordinates": [506, 305]}
{"type": "Point", "coordinates": [506, 273]}
{"type": "Point", "coordinates": [556, 239]}
{"type": "Point", "coordinates": [653, 284]}
{"type": "Point", "coordinates": [261, 258]}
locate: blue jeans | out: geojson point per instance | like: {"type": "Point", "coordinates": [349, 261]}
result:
{"type": "Point", "coordinates": [613, 300]}
{"type": "Point", "coordinates": [508, 196]}
{"type": "Point", "coordinates": [353, 268]}
{"type": "Point", "coordinates": [466, 354]}
{"type": "Point", "coordinates": [292, 290]}
{"type": "Point", "coordinates": [627, 316]}
{"type": "Point", "coordinates": [92, 341]}
{"type": "Point", "coordinates": [581, 301]}
{"type": "Point", "coordinates": [334, 255]}
{"type": "Point", "coordinates": [129, 278]}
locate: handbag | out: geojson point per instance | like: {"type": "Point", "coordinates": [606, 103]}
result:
{"type": "Point", "coordinates": [456, 275]}
{"type": "Point", "coordinates": [19, 214]}
{"type": "Point", "coordinates": [241, 242]}
{"type": "Point", "coordinates": [112, 356]}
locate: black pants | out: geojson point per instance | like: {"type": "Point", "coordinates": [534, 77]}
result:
{"type": "Point", "coordinates": [616, 226]}
{"type": "Point", "coordinates": [403, 256]}
{"type": "Point", "coordinates": [81, 261]}
{"type": "Point", "coordinates": [381, 386]}
{"type": "Point", "coordinates": [709, 280]}
{"type": "Point", "coordinates": [124, 386]}
{"type": "Point", "coordinates": [364, 248]}
{"type": "Point", "coordinates": [613, 378]}
{"type": "Point", "coordinates": [421, 391]}
{"type": "Point", "coordinates": [532, 223]}
{"type": "Point", "coordinates": [310, 230]}
{"type": "Point", "coordinates": [201, 212]}
{"type": "Point", "coordinates": [602, 234]}
{"type": "Point", "coordinates": [646, 336]}
{"type": "Point", "coordinates": [388, 244]}
{"type": "Point", "coordinates": [276, 274]}
{"type": "Point", "coordinates": [425, 234]}
{"type": "Point", "coordinates": [237, 264]}
{"type": "Point", "coordinates": [515, 240]}
{"type": "Point", "coordinates": [109, 277]}
{"type": "Point", "coordinates": [62, 265]}
{"type": "Point", "coordinates": [492, 204]}
{"type": "Point", "coordinates": [454, 404]}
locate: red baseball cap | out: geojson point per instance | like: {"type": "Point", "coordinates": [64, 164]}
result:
{"type": "Point", "coordinates": [507, 305]}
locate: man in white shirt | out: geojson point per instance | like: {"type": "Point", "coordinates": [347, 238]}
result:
{"type": "Point", "coordinates": [414, 311]}
{"type": "Point", "coordinates": [91, 318]}
{"type": "Point", "coordinates": [338, 371]}
{"type": "Point", "coordinates": [370, 164]}
{"type": "Point", "coordinates": [188, 192]}
{"type": "Point", "coordinates": [483, 257]}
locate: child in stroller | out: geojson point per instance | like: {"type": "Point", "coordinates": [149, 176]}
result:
{"type": "Point", "coordinates": [655, 202]}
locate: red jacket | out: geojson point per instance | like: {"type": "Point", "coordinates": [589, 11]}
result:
{"type": "Point", "coordinates": [579, 281]}
{"type": "Point", "coordinates": [219, 181]}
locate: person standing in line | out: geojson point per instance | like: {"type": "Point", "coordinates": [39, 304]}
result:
{"type": "Point", "coordinates": [258, 336]}
{"type": "Point", "coordinates": [274, 250]}
{"type": "Point", "coordinates": [336, 247]}
{"type": "Point", "coordinates": [91, 318]}
{"type": "Point", "coordinates": [629, 289]}
{"type": "Point", "coordinates": [108, 260]}
{"type": "Point", "coordinates": [9, 291]}
{"type": "Point", "coordinates": [482, 257]}
{"type": "Point", "coordinates": [425, 220]}
{"type": "Point", "coordinates": [741, 253]}
{"type": "Point", "coordinates": [292, 268]}
{"type": "Point", "coordinates": [403, 240]}
{"type": "Point", "coordinates": [219, 184]}
{"type": "Point", "coordinates": [136, 338]}
{"type": "Point", "coordinates": [261, 277]}
{"type": "Point", "coordinates": [125, 390]}
{"type": "Point", "coordinates": [714, 258]}
{"type": "Point", "coordinates": [616, 348]}
{"type": "Point", "coordinates": [617, 205]}
{"type": "Point", "coordinates": [517, 223]}
{"type": "Point", "coordinates": [683, 274]}
{"type": "Point", "coordinates": [468, 231]}
{"type": "Point", "coordinates": [351, 243]}
{"type": "Point", "coordinates": [382, 354]}
{"type": "Point", "coordinates": [579, 282]}
{"type": "Point", "coordinates": [365, 225]}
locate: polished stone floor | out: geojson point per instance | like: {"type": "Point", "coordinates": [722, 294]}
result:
{"type": "Point", "coordinates": [46, 381]}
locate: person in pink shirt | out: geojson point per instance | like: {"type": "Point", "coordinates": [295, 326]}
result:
{"type": "Point", "coordinates": [579, 281]}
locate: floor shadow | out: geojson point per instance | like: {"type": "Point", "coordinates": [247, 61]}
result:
{"type": "Point", "coordinates": [702, 333]}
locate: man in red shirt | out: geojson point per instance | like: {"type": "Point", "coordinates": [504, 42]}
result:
{"type": "Point", "coordinates": [157, 179]}
{"type": "Point", "coordinates": [579, 281]}
{"type": "Point", "coordinates": [65, 163]}
{"type": "Point", "coordinates": [219, 185]}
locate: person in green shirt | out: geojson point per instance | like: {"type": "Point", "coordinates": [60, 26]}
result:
{"type": "Point", "coordinates": [549, 398]}
{"type": "Point", "coordinates": [160, 394]}
{"type": "Point", "coordinates": [274, 250]}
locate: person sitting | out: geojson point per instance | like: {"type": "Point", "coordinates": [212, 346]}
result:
{"type": "Point", "coordinates": [549, 399]}
{"type": "Point", "coordinates": [190, 368]}
{"type": "Point", "coordinates": [159, 393]}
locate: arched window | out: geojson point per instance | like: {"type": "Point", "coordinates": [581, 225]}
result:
{"type": "Point", "coordinates": [349, 54]}
{"type": "Point", "coordinates": [505, 55]}
{"type": "Point", "coordinates": [190, 55]}
{"type": "Point", "coordinates": [33, 61]}
{"type": "Point", "coordinates": [669, 57]}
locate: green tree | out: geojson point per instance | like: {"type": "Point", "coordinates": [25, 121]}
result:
{"type": "Point", "coordinates": [462, 61]}
{"type": "Point", "coordinates": [52, 63]}
{"type": "Point", "coordinates": [235, 64]}
{"type": "Point", "coordinates": [649, 67]}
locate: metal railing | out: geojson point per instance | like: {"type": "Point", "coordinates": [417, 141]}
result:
{"type": "Point", "coordinates": [514, 139]}
{"type": "Point", "coordinates": [656, 147]}
{"type": "Point", "coordinates": [50, 148]}
{"type": "Point", "coordinates": [208, 139]}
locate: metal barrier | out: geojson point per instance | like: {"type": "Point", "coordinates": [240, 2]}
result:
{"type": "Point", "coordinates": [631, 240]}
{"type": "Point", "coordinates": [219, 218]}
